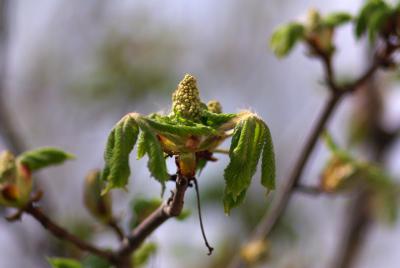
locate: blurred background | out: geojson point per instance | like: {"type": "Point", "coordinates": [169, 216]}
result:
{"type": "Point", "coordinates": [71, 69]}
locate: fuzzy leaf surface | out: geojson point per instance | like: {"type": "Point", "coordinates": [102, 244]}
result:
{"type": "Point", "coordinates": [120, 144]}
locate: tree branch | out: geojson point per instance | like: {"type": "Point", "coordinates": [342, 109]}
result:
{"type": "Point", "coordinates": [282, 199]}
{"type": "Point", "coordinates": [63, 234]}
{"type": "Point", "coordinates": [171, 208]}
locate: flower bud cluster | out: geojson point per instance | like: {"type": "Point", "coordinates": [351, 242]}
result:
{"type": "Point", "coordinates": [186, 100]}
{"type": "Point", "coordinates": [214, 107]}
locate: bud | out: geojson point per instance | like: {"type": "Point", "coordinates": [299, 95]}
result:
{"type": "Point", "coordinates": [187, 164]}
{"type": "Point", "coordinates": [7, 167]}
{"type": "Point", "coordinates": [214, 107]}
{"type": "Point", "coordinates": [338, 175]}
{"type": "Point", "coordinates": [186, 101]}
{"type": "Point", "coordinates": [318, 36]}
{"type": "Point", "coordinates": [313, 19]}
{"type": "Point", "coordinates": [100, 206]}
{"type": "Point", "coordinates": [15, 181]}
{"type": "Point", "coordinates": [254, 251]}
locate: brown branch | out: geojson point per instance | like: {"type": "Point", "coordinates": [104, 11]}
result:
{"type": "Point", "coordinates": [171, 208]}
{"type": "Point", "coordinates": [63, 234]}
{"type": "Point", "coordinates": [113, 224]}
{"type": "Point", "coordinates": [356, 228]}
{"type": "Point", "coordinates": [282, 199]}
{"type": "Point", "coordinates": [310, 190]}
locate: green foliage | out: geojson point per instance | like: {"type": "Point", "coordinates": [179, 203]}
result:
{"type": "Point", "coordinates": [142, 255]}
{"type": "Point", "coordinates": [64, 263]}
{"type": "Point", "coordinates": [92, 261]}
{"type": "Point", "coordinates": [372, 18]}
{"type": "Point", "coordinates": [336, 19]}
{"type": "Point", "coordinates": [141, 208]}
{"type": "Point", "coordinates": [43, 157]}
{"type": "Point", "coordinates": [156, 163]}
{"type": "Point", "coordinates": [120, 143]}
{"type": "Point", "coordinates": [268, 172]}
{"type": "Point", "coordinates": [250, 137]}
{"type": "Point", "coordinates": [344, 172]}
{"type": "Point", "coordinates": [285, 38]}
{"type": "Point", "coordinates": [100, 206]}
{"type": "Point", "coordinates": [191, 134]}
{"type": "Point", "coordinates": [184, 215]}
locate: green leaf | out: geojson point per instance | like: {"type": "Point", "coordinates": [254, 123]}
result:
{"type": "Point", "coordinates": [142, 255]}
{"type": "Point", "coordinates": [179, 129]}
{"type": "Point", "coordinates": [336, 19]}
{"type": "Point", "coordinates": [92, 261]}
{"type": "Point", "coordinates": [43, 157]}
{"type": "Point", "coordinates": [365, 15]}
{"type": "Point", "coordinates": [64, 263]}
{"type": "Point", "coordinates": [184, 215]}
{"type": "Point", "coordinates": [119, 146]}
{"type": "Point", "coordinates": [230, 201]}
{"type": "Point", "coordinates": [268, 172]}
{"type": "Point", "coordinates": [156, 163]}
{"type": "Point", "coordinates": [141, 208]}
{"type": "Point", "coordinates": [247, 143]}
{"type": "Point", "coordinates": [377, 21]}
{"type": "Point", "coordinates": [215, 120]}
{"type": "Point", "coordinates": [285, 38]}
{"type": "Point", "coordinates": [141, 147]}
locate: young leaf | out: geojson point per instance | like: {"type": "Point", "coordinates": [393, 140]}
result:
{"type": "Point", "coordinates": [364, 17]}
{"type": "Point", "coordinates": [268, 172]}
{"type": "Point", "coordinates": [377, 21]}
{"type": "Point", "coordinates": [141, 146]}
{"type": "Point", "coordinates": [142, 255]}
{"type": "Point", "coordinates": [43, 157]}
{"type": "Point", "coordinates": [285, 38]}
{"type": "Point", "coordinates": [119, 146]}
{"type": "Point", "coordinates": [156, 163]}
{"type": "Point", "coordinates": [336, 19]}
{"type": "Point", "coordinates": [247, 143]}
{"type": "Point", "coordinates": [92, 261]}
{"type": "Point", "coordinates": [141, 208]}
{"type": "Point", "coordinates": [64, 263]}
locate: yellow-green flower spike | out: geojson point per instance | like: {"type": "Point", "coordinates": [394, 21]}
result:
{"type": "Point", "coordinates": [186, 100]}
{"type": "Point", "coordinates": [214, 107]}
{"type": "Point", "coordinates": [313, 19]}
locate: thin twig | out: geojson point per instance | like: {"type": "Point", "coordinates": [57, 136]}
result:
{"type": "Point", "coordinates": [172, 208]}
{"type": "Point", "coordinates": [117, 229]}
{"type": "Point", "coordinates": [221, 151]}
{"type": "Point", "coordinates": [63, 234]}
{"type": "Point", "coordinates": [196, 186]}
{"type": "Point", "coordinates": [310, 190]}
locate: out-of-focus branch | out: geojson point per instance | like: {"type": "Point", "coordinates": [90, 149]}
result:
{"type": "Point", "coordinates": [280, 202]}
{"type": "Point", "coordinates": [7, 128]}
{"type": "Point", "coordinates": [359, 219]}
{"type": "Point", "coordinates": [63, 234]}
